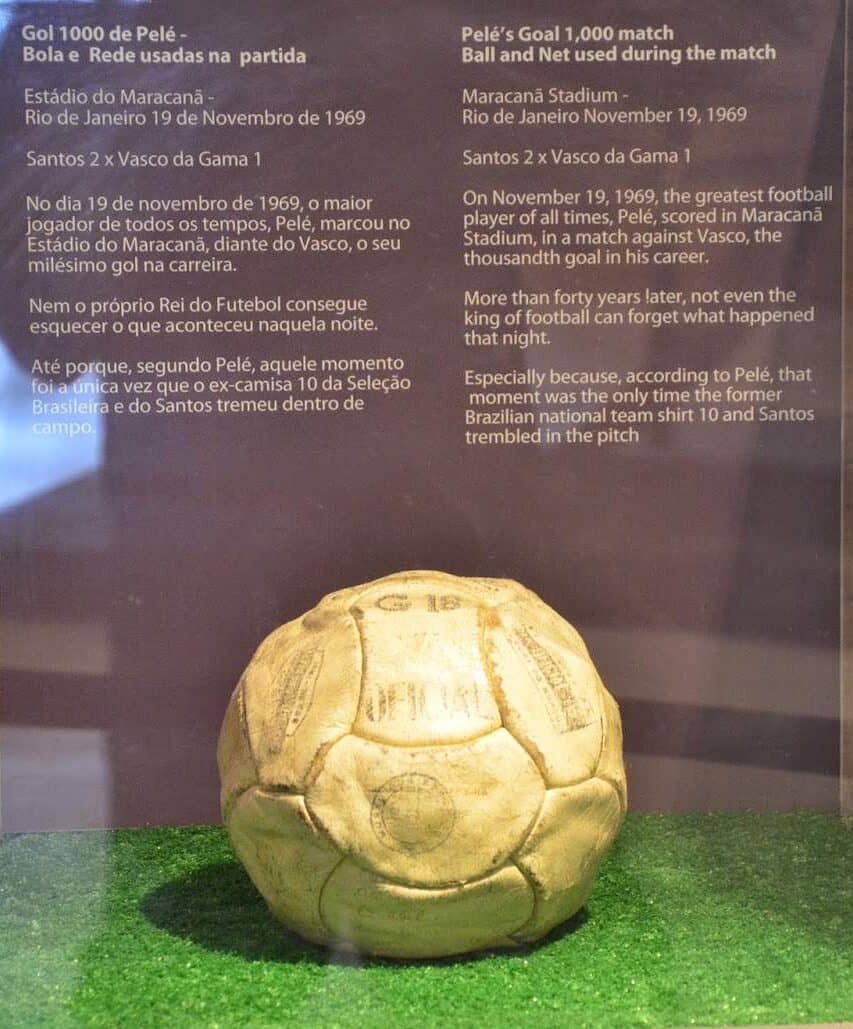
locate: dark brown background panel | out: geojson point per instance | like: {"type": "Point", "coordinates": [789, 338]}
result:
{"type": "Point", "coordinates": [702, 568]}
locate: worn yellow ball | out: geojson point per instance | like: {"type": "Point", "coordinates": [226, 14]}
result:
{"type": "Point", "coordinates": [423, 765]}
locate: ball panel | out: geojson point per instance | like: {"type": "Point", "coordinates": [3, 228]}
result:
{"type": "Point", "coordinates": [330, 608]}
{"type": "Point", "coordinates": [379, 917]}
{"type": "Point", "coordinates": [301, 694]}
{"type": "Point", "coordinates": [237, 770]}
{"type": "Point", "coordinates": [611, 767]}
{"type": "Point", "coordinates": [549, 698]}
{"type": "Point", "coordinates": [546, 621]}
{"type": "Point", "coordinates": [286, 856]}
{"type": "Point", "coordinates": [496, 591]}
{"type": "Point", "coordinates": [427, 816]}
{"type": "Point", "coordinates": [277, 641]}
{"type": "Point", "coordinates": [561, 855]}
{"type": "Point", "coordinates": [429, 578]}
{"type": "Point", "coordinates": [424, 679]}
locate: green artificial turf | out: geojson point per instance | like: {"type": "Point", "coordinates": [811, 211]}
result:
{"type": "Point", "coordinates": [698, 919]}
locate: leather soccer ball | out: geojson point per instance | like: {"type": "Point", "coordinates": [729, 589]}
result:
{"type": "Point", "coordinates": [421, 766]}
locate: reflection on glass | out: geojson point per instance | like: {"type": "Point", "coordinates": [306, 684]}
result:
{"type": "Point", "coordinates": [39, 450]}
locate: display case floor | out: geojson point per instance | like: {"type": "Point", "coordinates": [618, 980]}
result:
{"type": "Point", "coordinates": [723, 919]}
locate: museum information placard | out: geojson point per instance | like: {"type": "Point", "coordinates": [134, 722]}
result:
{"type": "Point", "coordinates": [295, 296]}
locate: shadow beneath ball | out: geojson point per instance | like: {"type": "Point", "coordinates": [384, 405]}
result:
{"type": "Point", "coordinates": [218, 908]}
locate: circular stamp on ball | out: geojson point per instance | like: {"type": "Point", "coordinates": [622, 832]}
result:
{"type": "Point", "coordinates": [412, 813]}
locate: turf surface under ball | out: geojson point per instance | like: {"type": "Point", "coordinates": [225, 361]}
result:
{"type": "Point", "coordinates": [694, 920]}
